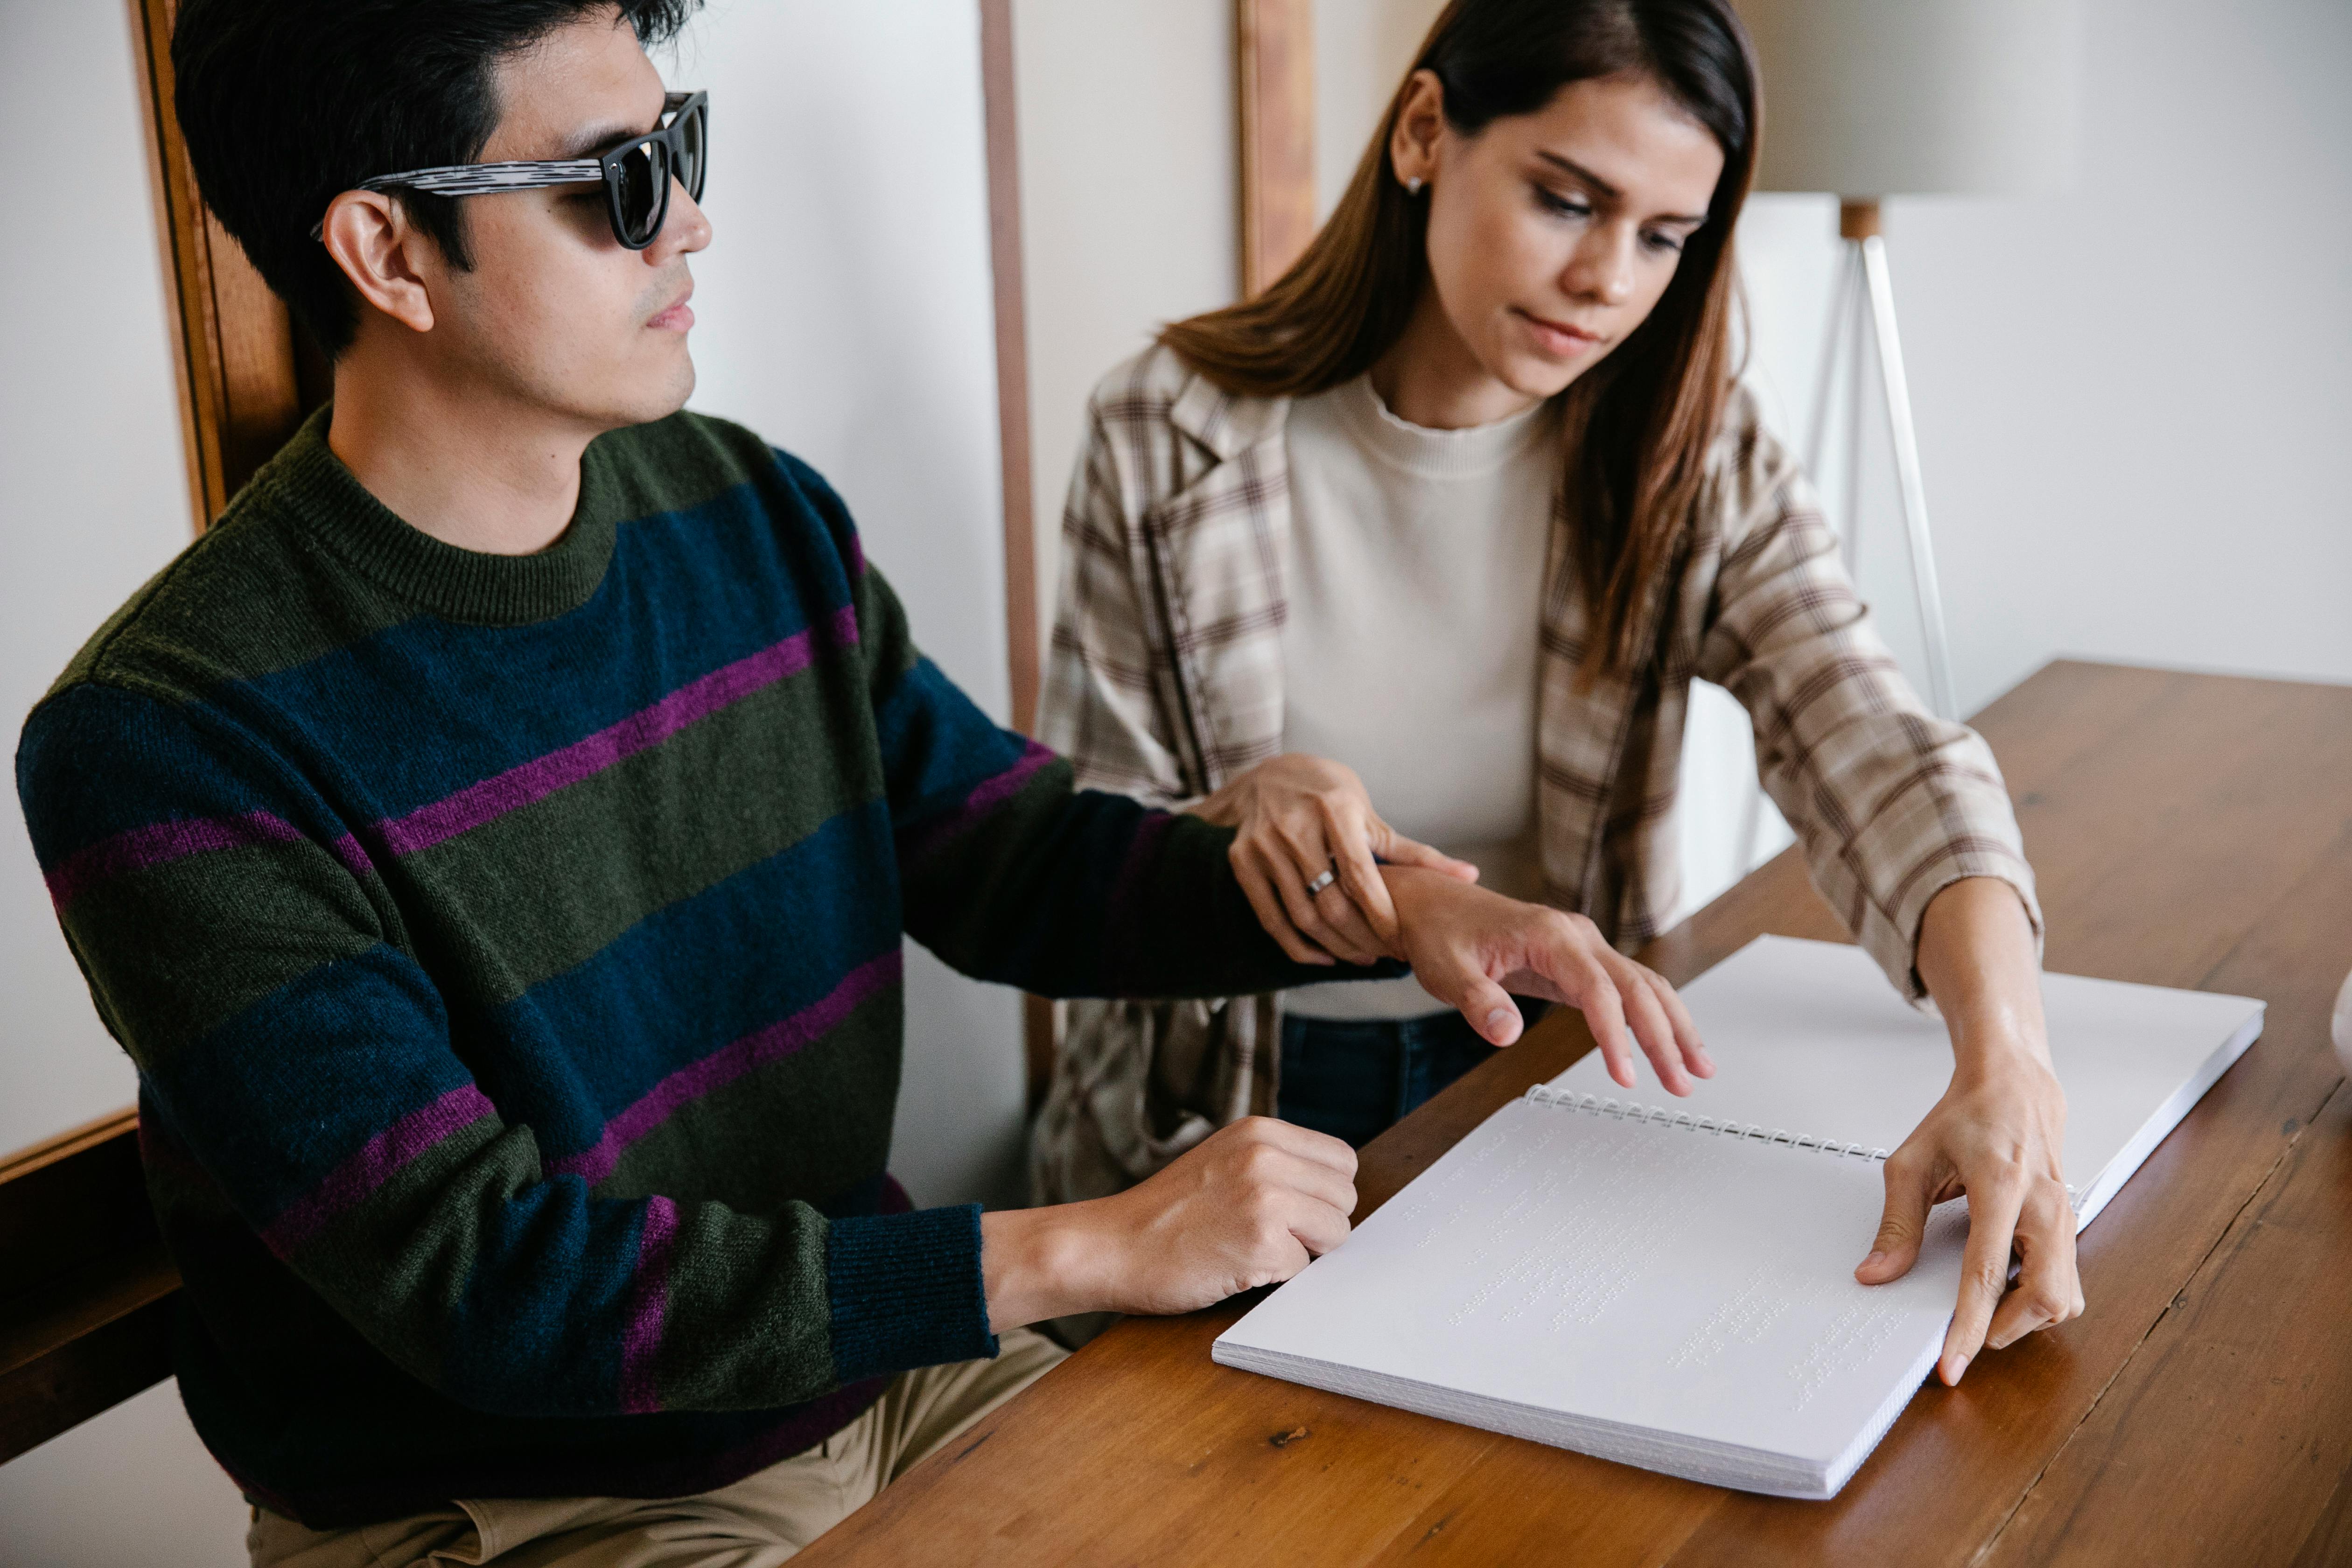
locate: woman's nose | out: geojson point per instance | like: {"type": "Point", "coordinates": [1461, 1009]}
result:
{"type": "Point", "coordinates": [1601, 268]}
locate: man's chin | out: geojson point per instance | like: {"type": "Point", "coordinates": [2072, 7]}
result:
{"type": "Point", "coordinates": [665, 396]}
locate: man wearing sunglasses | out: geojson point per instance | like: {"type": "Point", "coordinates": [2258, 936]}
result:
{"type": "Point", "coordinates": [494, 840]}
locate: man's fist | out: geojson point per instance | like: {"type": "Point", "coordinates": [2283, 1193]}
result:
{"type": "Point", "coordinates": [1251, 1205]}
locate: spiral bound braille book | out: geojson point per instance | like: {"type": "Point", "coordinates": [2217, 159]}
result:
{"type": "Point", "coordinates": [1669, 1283]}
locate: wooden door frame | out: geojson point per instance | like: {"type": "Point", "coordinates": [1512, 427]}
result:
{"type": "Point", "coordinates": [1274, 96]}
{"type": "Point", "coordinates": [245, 378]}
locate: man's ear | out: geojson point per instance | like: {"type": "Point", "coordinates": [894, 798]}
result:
{"type": "Point", "coordinates": [383, 255]}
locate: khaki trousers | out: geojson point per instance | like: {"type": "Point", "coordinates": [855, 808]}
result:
{"type": "Point", "coordinates": [759, 1520]}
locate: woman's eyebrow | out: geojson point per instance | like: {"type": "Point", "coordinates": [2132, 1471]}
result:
{"type": "Point", "coordinates": [1572, 168]}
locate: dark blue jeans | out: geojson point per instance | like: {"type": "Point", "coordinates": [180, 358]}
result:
{"type": "Point", "coordinates": [1355, 1080]}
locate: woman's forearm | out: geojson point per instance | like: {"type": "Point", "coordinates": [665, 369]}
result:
{"type": "Point", "coordinates": [1998, 1135]}
{"type": "Point", "coordinates": [1977, 959]}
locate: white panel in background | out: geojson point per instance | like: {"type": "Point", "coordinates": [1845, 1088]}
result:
{"type": "Point", "coordinates": [845, 311]}
{"type": "Point", "coordinates": [132, 1488]}
{"type": "Point", "coordinates": [1128, 203]}
{"type": "Point", "coordinates": [93, 487]}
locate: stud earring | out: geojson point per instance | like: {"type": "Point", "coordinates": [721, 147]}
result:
{"type": "Point", "coordinates": [1413, 186]}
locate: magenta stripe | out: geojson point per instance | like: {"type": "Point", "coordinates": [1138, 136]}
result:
{"type": "Point", "coordinates": [726, 1065]}
{"type": "Point", "coordinates": [159, 842]}
{"type": "Point", "coordinates": [535, 780]}
{"type": "Point", "coordinates": [353, 854]}
{"type": "Point", "coordinates": [992, 792]}
{"type": "Point", "coordinates": [377, 1162]}
{"type": "Point", "coordinates": [648, 1302]}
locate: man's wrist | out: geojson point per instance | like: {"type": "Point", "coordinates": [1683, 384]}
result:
{"type": "Point", "coordinates": [1042, 1263]}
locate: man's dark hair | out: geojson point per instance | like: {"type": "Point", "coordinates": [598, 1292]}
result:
{"type": "Point", "coordinates": [287, 103]}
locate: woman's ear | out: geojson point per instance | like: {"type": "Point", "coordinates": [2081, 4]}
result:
{"type": "Point", "coordinates": [1420, 126]}
{"type": "Point", "coordinates": [370, 237]}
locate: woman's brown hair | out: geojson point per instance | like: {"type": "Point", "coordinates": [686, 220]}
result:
{"type": "Point", "coordinates": [1637, 424]}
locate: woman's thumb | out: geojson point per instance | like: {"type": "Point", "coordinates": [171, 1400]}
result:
{"type": "Point", "coordinates": [1403, 851]}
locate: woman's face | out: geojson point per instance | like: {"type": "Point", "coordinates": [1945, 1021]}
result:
{"type": "Point", "coordinates": [1551, 234]}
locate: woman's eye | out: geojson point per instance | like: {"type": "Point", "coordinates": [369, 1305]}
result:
{"type": "Point", "coordinates": [1566, 206]}
{"type": "Point", "coordinates": [1662, 244]}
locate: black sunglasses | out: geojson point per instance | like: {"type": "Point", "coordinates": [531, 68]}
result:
{"type": "Point", "coordinates": [636, 172]}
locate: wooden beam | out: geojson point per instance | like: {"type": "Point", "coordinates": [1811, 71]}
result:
{"type": "Point", "coordinates": [242, 390]}
{"type": "Point", "coordinates": [1275, 69]}
{"type": "Point", "coordinates": [1022, 621]}
{"type": "Point", "coordinates": [1021, 609]}
{"type": "Point", "coordinates": [86, 1287]}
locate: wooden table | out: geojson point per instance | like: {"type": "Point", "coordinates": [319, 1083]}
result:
{"type": "Point", "coordinates": [2189, 831]}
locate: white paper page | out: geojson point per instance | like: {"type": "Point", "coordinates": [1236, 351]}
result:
{"type": "Point", "coordinates": [1809, 1038]}
{"type": "Point", "coordinates": [1697, 1286]}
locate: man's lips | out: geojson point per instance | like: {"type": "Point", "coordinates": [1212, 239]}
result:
{"type": "Point", "coordinates": [1560, 337]}
{"type": "Point", "coordinates": [678, 316]}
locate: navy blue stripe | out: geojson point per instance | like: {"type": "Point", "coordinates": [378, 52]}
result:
{"type": "Point", "coordinates": [937, 745]}
{"type": "Point", "coordinates": [285, 1089]}
{"type": "Point", "coordinates": [102, 760]}
{"type": "Point", "coordinates": [540, 1329]}
{"type": "Point", "coordinates": [688, 592]}
{"type": "Point", "coordinates": [767, 941]}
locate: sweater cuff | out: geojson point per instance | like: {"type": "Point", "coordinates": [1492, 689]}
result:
{"type": "Point", "coordinates": [906, 1291]}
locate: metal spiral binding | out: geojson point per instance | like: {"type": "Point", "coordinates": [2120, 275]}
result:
{"type": "Point", "coordinates": [1683, 1122]}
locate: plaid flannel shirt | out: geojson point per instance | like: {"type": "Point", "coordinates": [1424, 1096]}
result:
{"type": "Point", "coordinates": [1165, 679]}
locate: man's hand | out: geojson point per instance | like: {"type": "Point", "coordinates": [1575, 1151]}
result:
{"type": "Point", "coordinates": [1472, 948]}
{"type": "Point", "coordinates": [1251, 1205]}
{"type": "Point", "coordinates": [1998, 1135]}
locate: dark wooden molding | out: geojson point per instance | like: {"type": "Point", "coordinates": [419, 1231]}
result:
{"type": "Point", "coordinates": [243, 383]}
{"type": "Point", "coordinates": [1274, 64]}
{"type": "Point", "coordinates": [85, 1286]}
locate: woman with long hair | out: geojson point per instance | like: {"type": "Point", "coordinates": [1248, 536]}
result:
{"type": "Point", "coordinates": [1449, 518]}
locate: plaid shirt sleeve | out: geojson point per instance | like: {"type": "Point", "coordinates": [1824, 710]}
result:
{"type": "Point", "coordinates": [1107, 702]}
{"type": "Point", "coordinates": [1891, 804]}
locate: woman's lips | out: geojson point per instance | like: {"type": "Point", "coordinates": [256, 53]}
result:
{"type": "Point", "coordinates": [1559, 338]}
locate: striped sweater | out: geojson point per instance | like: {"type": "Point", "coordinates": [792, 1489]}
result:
{"type": "Point", "coordinates": [510, 950]}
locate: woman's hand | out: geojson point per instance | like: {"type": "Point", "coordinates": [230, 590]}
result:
{"type": "Point", "coordinates": [1998, 1135]}
{"type": "Point", "coordinates": [1301, 816]}
{"type": "Point", "coordinates": [1472, 948]}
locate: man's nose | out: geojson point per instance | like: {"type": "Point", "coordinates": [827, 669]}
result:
{"type": "Point", "coordinates": [686, 228]}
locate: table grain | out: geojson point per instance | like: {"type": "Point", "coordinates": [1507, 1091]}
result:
{"type": "Point", "coordinates": [2186, 830]}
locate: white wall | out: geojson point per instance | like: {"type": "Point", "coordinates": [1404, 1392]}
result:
{"type": "Point", "coordinates": [2131, 398]}
{"type": "Point", "coordinates": [93, 487]}
{"type": "Point", "coordinates": [1129, 203]}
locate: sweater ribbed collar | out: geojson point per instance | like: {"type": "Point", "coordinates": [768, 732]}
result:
{"type": "Point", "coordinates": [311, 485]}
{"type": "Point", "coordinates": [1435, 454]}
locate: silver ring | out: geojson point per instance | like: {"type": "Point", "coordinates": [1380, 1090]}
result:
{"type": "Point", "coordinates": [1321, 882]}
